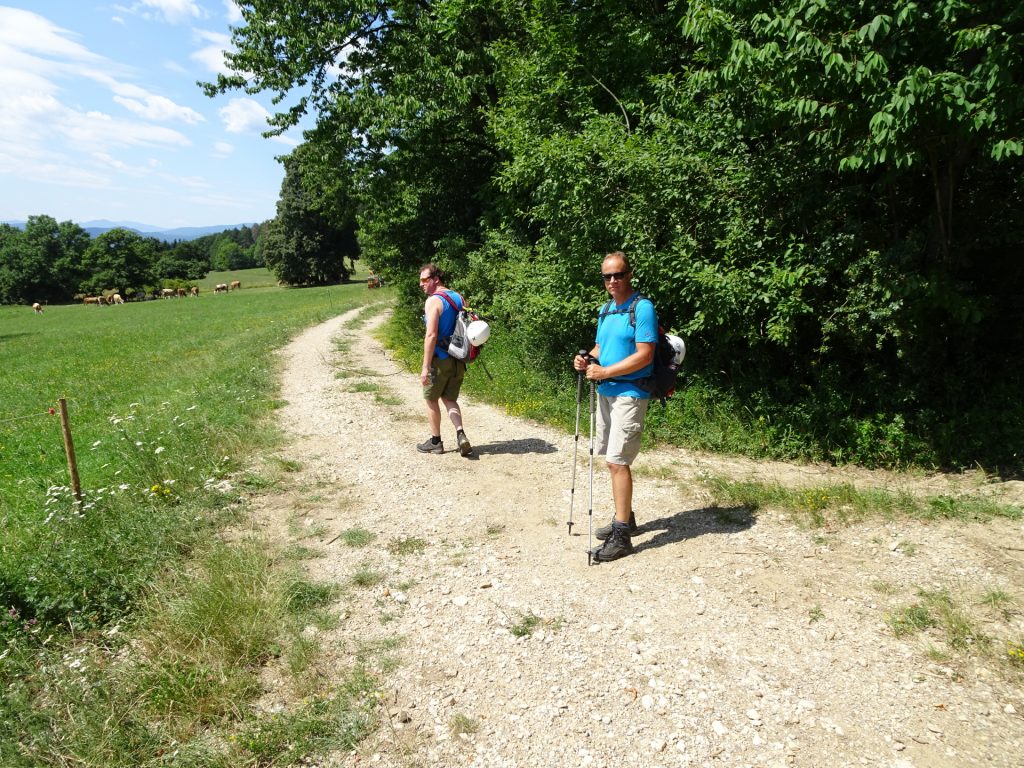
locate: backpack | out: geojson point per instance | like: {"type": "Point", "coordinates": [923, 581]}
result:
{"type": "Point", "coordinates": [661, 384]}
{"type": "Point", "coordinates": [457, 345]}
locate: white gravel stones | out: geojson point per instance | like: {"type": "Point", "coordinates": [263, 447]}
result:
{"type": "Point", "coordinates": [697, 651]}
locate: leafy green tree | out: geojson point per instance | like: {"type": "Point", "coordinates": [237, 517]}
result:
{"type": "Point", "coordinates": [302, 246]}
{"type": "Point", "coordinates": [41, 263]}
{"type": "Point", "coordinates": [400, 92]}
{"type": "Point", "coordinates": [118, 259]}
{"type": "Point", "coordinates": [890, 85]}
{"type": "Point", "coordinates": [184, 261]}
{"type": "Point", "coordinates": [227, 254]}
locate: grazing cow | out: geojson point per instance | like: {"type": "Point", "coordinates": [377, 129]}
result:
{"type": "Point", "coordinates": [115, 298]}
{"type": "Point", "coordinates": [97, 300]}
{"type": "Point", "coordinates": [195, 290]}
{"type": "Point", "coordinates": [37, 308]}
{"type": "Point", "coordinates": [236, 285]}
{"type": "Point", "coordinates": [220, 288]}
{"type": "Point", "coordinates": [181, 292]}
{"type": "Point", "coordinates": [167, 293]}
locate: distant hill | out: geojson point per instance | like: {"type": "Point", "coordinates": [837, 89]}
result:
{"type": "Point", "coordinates": [99, 226]}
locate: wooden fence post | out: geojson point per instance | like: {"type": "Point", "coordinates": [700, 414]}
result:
{"type": "Point", "coordinates": [69, 450]}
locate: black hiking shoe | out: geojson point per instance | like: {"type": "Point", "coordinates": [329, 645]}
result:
{"type": "Point", "coordinates": [464, 447]}
{"type": "Point", "coordinates": [430, 447]}
{"type": "Point", "coordinates": [617, 545]}
{"type": "Point", "coordinates": [605, 531]}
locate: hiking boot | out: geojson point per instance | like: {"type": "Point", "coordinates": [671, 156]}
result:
{"type": "Point", "coordinates": [605, 531]}
{"type": "Point", "coordinates": [430, 447]}
{"type": "Point", "coordinates": [617, 545]}
{"type": "Point", "coordinates": [464, 447]}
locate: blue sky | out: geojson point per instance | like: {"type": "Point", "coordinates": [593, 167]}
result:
{"type": "Point", "coordinates": [100, 116]}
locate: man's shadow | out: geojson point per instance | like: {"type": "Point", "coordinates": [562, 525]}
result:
{"type": "Point", "coordinates": [526, 445]}
{"type": "Point", "coordinates": [690, 524]}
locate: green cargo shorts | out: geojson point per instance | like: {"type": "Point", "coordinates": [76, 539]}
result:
{"type": "Point", "coordinates": [446, 376]}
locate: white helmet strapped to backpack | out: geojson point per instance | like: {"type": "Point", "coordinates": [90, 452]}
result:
{"type": "Point", "coordinates": [678, 346]}
{"type": "Point", "coordinates": [478, 332]}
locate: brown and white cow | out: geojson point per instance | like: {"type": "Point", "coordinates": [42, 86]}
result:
{"type": "Point", "coordinates": [220, 288]}
{"type": "Point", "coordinates": [37, 308]}
{"type": "Point", "coordinates": [236, 285]}
{"type": "Point", "coordinates": [115, 298]}
{"type": "Point", "coordinates": [194, 291]}
{"type": "Point", "coordinates": [97, 300]}
{"type": "Point", "coordinates": [167, 293]}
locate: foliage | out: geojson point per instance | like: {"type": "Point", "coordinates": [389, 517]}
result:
{"type": "Point", "coordinates": [42, 262]}
{"type": "Point", "coordinates": [117, 260]}
{"type": "Point", "coordinates": [48, 262]}
{"type": "Point", "coordinates": [824, 200]}
{"type": "Point", "coordinates": [302, 246]}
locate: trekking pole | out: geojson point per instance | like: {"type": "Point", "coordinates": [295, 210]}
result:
{"type": "Point", "coordinates": [576, 440]}
{"type": "Point", "coordinates": [590, 512]}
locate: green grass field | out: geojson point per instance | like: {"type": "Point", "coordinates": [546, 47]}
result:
{"type": "Point", "coordinates": [250, 278]}
{"type": "Point", "coordinates": [166, 400]}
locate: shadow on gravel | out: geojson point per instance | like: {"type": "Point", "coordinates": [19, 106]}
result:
{"type": "Point", "coordinates": [529, 445]}
{"type": "Point", "coordinates": [690, 524]}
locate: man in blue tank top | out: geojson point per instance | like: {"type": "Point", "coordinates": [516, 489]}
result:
{"type": "Point", "coordinates": [441, 374]}
{"type": "Point", "coordinates": [622, 357]}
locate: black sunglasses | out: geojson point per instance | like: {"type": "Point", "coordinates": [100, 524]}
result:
{"type": "Point", "coordinates": [614, 275]}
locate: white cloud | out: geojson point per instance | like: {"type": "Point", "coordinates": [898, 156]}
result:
{"type": "Point", "coordinates": [159, 108]}
{"type": "Point", "coordinates": [244, 116]}
{"type": "Point", "coordinates": [223, 149]}
{"type": "Point", "coordinates": [117, 20]}
{"type": "Point", "coordinates": [212, 56]}
{"type": "Point", "coordinates": [24, 31]}
{"type": "Point", "coordinates": [170, 11]}
{"type": "Point", "coordinates": [194, 182]}
{"type": "Point", "coordinates": [288, 141]}
{"type": "Point", "coordinates": [234, 15]}
{"type": "Point", "coordinates": [45, 140]}
{"type": "Point", "coordinates": [97, 130]}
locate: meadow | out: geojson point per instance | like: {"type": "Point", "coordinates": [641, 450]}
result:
{"type": "Point", "coordinates": [168, 403]}
{"type": "Point", "coordinates": [257, 277]}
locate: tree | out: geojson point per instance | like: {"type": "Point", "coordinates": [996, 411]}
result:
{"type": "Point", "coordinates": [43, 262]}
{"type": "Point", "coordinates": [404, 123]}
{"type": "Point", "coordinates": [184, 261]}
{"type": "Point", "coordinates": [892, 85]}
{"type": "Point", "coordinates": [118, 259]}
{"type": "Point", "coordinates": [302, 246]}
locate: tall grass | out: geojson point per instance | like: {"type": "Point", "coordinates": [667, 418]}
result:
{"type": "Point", "coordinates": [167, 400]}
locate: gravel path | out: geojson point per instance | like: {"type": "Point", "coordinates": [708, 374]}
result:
{"type": "Point", "coordinates": [726, 640]}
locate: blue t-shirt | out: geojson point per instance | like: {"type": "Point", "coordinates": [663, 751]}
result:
{"type": "Point", "coordinates": [446, 323]}
{"type": "Point", "coordinates": [617, 340]}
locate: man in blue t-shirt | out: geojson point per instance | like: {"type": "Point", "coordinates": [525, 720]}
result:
{"type": "Point", "coordinates": [441, 375]}
{"type": "Point", "coordinates": [622, 357]}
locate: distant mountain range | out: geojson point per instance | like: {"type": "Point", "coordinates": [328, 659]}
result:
{"type": "Point", "coordinates": [99, 226]}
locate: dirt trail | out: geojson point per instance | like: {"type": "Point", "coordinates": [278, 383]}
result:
{"type": "Point", "coordinates": [726, 640]}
